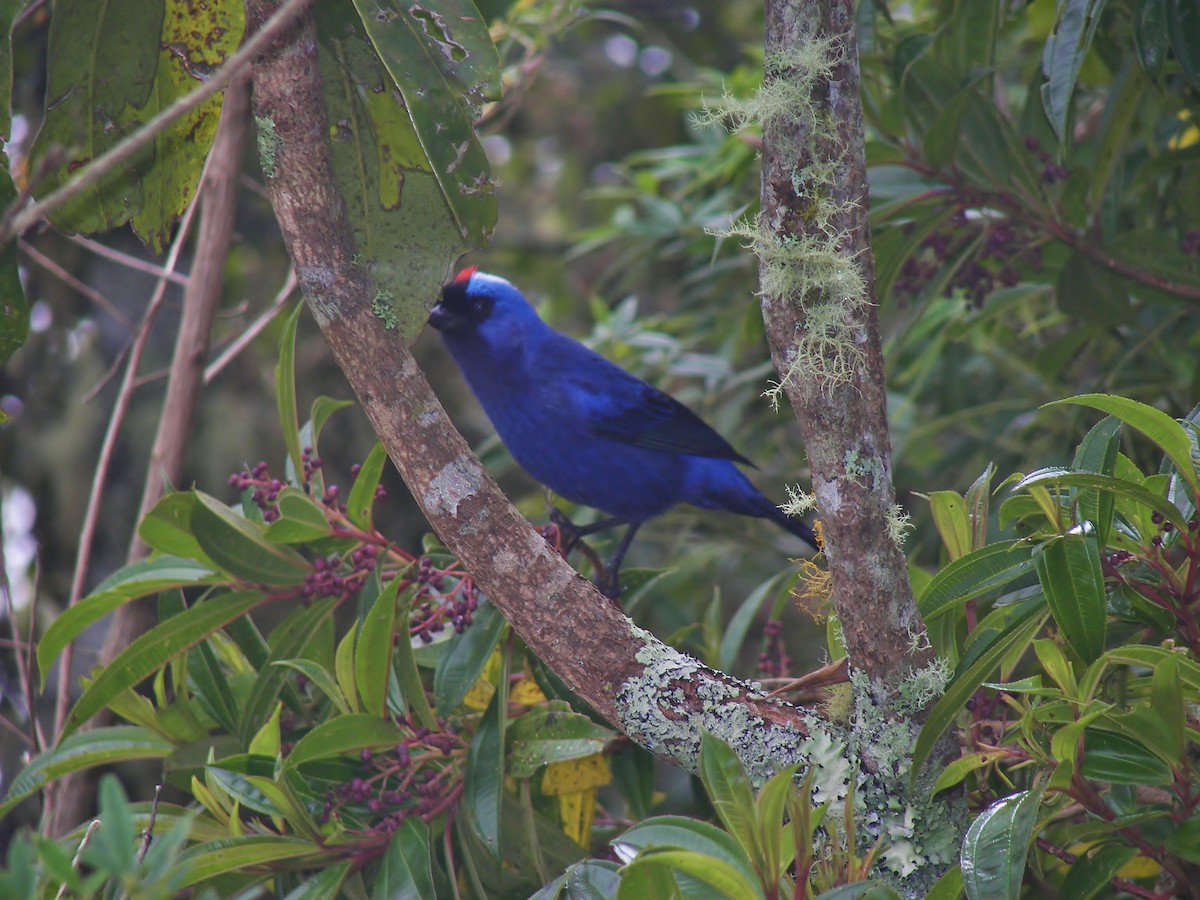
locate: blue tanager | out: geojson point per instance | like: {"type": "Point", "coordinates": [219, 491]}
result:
{"type": "Point", "coordinates": [584, 427]}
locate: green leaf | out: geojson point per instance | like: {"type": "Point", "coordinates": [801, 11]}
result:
{"type": "Point", "coordinates": [776, 839]}
{"type": "Point", "coordinates": [157, 647]}
{"type": "Point", "coordinates": [717, 873]}
{"type": "Point", "coordinates": [361, 502]}
{"type": "Point", "coordinates": [590, 880]}
{"type": "Point", "coordinates": [1151, 36]}
{"type": "Point", "coordinates": [469, 653]}
{"type": "Point", "coordinates": [729, 789]}
{"type": "Point", "coordinates": [1183, 24]}
{"type": "Point", "coordinates": [326, 883]}
{"type": "Point", "coordinates": [962, 767]}
{"type": "Point", "coordinates": [1166, 701]}
{"type": "Point", "coordinates": [550, 733]}
{"type": "Point", "coordinates": [343, 667]}
{"type": "Point", "coordinates": [693, 835]}
{"type": "Point", "coordinates": [966, 682]}
{"type": "Point", "coordinates": [195, 37]}
{"type": "Point", "coordinates": [417, 46]}
{"type": "Point", "coordinates": [343, 736]}
{"type": "Point", "coordinates": [140, 579]}
{"type": "Point", "coordinates": [406, 870]}
{"type": "Point", "coordinates": [290, 640]}
{"type": "Point", "coordinates": [320, 678]}
{"type": "Point", "coordinates": [1184, 841]}
{"type": "Point", "coordinates": [238, 546]}
{"type": "Point", "coordinates": [219, 857]}
{"type": "Point", "coordinates": [1057, 666]}
{"type": "Point", "coordinates": [735, 632]}
{"type": "Point", "coordinates": [1069, 571]}
{"type": "Point", "coordinates": [1093, 873]}
{"type": "Point", "coordinates": [870, 890]}
{"type": "Point", "coordinates": [974, 575]}
{"type": "Point", "coordinates": [484, 782]}
{"type": "Point", "coordinates": [950, 517]}
{"type": "Point", "coordinates": [408, 676]}
{"type": "Point", "coordinates": [300, 520]}
{"type": "Point", "coordinates": [1098, 452]}
{"type": "Point", "coordinates": [1118, 487]}
{"type": "Point", "coordinates": [406, 234]}
{"type": "Point", "coordinates": [1063, 57]}
{"type": "Point", "coordinates": [948, 887]}
{"type": "Point", "coordinates": [101, 70]}
{"type": "Point", "coordinates": [1108, 756]}
{"type": "Point", "coordinates": [1166, 433]}
{"type": "Point", "coordinates": [168, 527]}
{"type": "Point", "coordinates": [322, 408]}
{"type": "Point", "coordinates": [994, 850]}
{"type": "Point", "coordinates": [97, 747]}
{"type": "Point", "coordinates": [649, 881]}
{"type": "Point", "coordinates": [373, 649]}
{"type": "Point", "coordinates": [14, 305]}
{"type": "Point", "coordinates": [285, 390]}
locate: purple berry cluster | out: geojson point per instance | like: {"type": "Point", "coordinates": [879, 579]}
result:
{"type": "Point", "coordinates": [774, 661]}
{"type": "Point", "coordinates": [994, 265]}
{"type": "Point", "coordinates": [438, 607]}
{"type": "Point", "coordinates": [264, 489]}
{"type": "Point", "coordinates": [1052, 172]}
{"type": "Point", "coordinates": [421, 776]}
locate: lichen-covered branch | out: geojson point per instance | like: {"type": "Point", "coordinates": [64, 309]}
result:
{"type": "Point", "coordinates": [813, 243]}
{"type": "Point", "coordinates": [660, 697]}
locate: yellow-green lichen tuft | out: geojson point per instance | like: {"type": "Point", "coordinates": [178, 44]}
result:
{"type": "Point", "coordinates": [383, 305]}
{"type": "Point", "coordinates": [809, 269]}
{"type": "Point", "coordinates": [899, 522]}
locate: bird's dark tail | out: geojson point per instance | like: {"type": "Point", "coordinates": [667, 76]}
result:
{"type": "Point", "coordinates": [795, 525]}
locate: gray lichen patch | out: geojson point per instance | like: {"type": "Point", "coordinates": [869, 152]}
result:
{"type": "Point", "coordinates": [268, 145]}
{"type": "Point", "coordinates": [921, 830]}
{"type": "Point", "coordinates": [457, 481]}
{"type": "Point", "coordinates": [657, 709]}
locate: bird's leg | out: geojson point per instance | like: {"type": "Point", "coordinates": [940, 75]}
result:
{"type": "Point", "coordinates": [611, 584]}
{"type": "Point", "coordinates": [572, 534]}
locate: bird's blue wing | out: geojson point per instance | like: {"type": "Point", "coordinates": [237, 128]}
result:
{"type": "Point", "coordinates": [621, 407]}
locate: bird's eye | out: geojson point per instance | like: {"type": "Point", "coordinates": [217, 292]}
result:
{"type": "Point", "coordinates": [481, 307]}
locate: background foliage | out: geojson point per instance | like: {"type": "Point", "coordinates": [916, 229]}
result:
{"type": "Point", "coordinates": [1033, 175]}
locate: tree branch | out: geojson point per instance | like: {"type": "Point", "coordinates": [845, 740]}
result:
{"type": "Point", "coordinates": [844, 421]}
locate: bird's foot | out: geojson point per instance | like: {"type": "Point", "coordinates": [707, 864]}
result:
{"type": "Point", "coordinates": [569, 534]}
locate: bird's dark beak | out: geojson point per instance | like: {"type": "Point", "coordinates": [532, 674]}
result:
{"type": "Point", "coordinates": [443, 319]}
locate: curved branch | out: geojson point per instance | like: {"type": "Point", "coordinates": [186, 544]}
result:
{"type": "Point", "coordinates": [656, 695]}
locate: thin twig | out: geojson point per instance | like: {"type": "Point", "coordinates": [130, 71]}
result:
{"type": "Point", "coordinates": [128, 260]}
{"type": "Point", "coordinates": [254, 329]}
{"type": "Point", "coordinates": [148, 833]}
{"type": "Point", "coordinates": [103, 380]}
{"type": "Point", "coordinates": [71, 281]}
{"type": "Point", "coordinates": [87, 836]}
{"type": "Point", "coordinates": [120, 407]}
{"type": "Point", "coordinates": [90, 174]}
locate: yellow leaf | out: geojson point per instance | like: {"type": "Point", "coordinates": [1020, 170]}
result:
{"type": "Point", "coordinates": [577, 811]}
{"type": "Point", "coordinates": [527, 693]}
{"type": "Point", "coordinates": [576, 775]}
{"type": "Point", "coordinates": [480, 694]}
